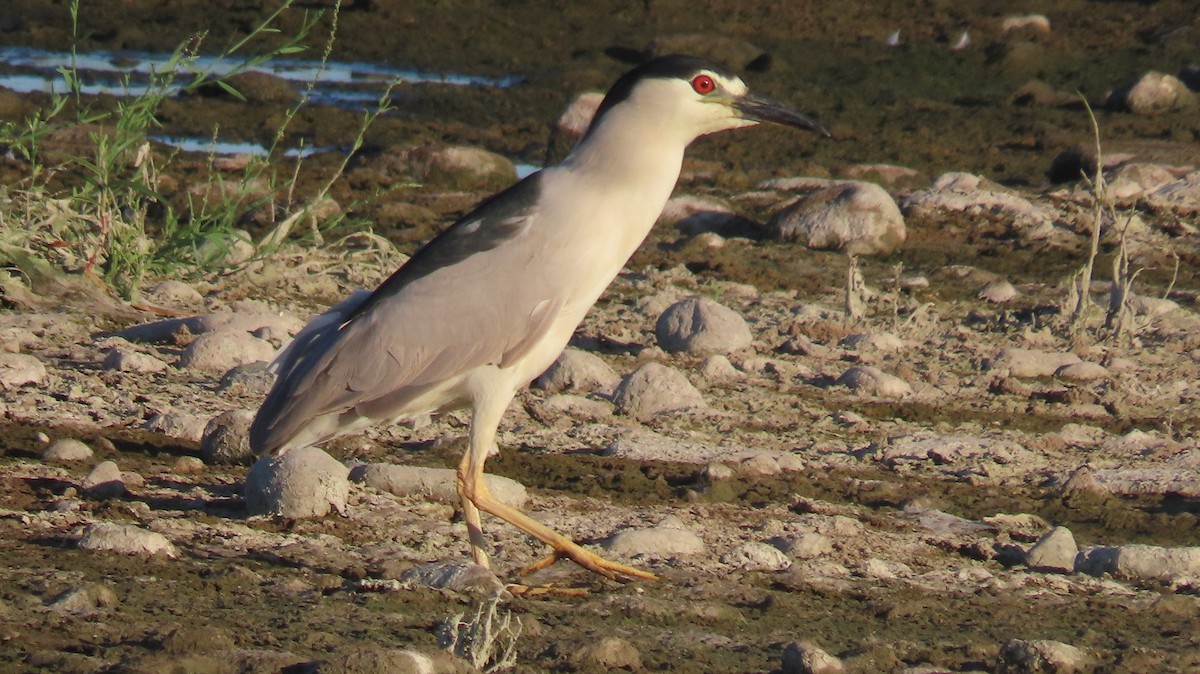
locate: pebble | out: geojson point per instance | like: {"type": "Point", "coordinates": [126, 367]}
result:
{"type": "Point", "coordinates": [226, 439]}
{"type": "Point", "coordinates": [85, 599]}
{"type": "Point", "coordinates": [801, 657]}
{"type": "Point", "coordinates": [668, 539]}
{"type": "Point", "coordinates": [717, 369]}
{"type": "Point", "coordinates": [966, 193]}
{"type": "Point", "coordinates": [1027, 363]}
{"type": "Point", "coordinates": [461, 167]}
{"type": "Point", "coordinates": [655, 388]}
{"type": "Point", "coordinates": [578, 371]}
{"type": "Point", "coordinates": [879, 341]}
{"type": "Point", "coordinates": [18, 369]}
{"type": "Point", "coordinates": [858, 218]}
{"type": "Point", "coordinates": [1040, 656]}
{"type": "Point", "coordinates": [873, 381]}
{"type": "Point", "coordinates": [1056, 551]}
{"type": "Point", "coordinates": [251, 379]}
{"type": "Point", "coordinates": [755, 556]}
{"type": "Point", "coordinates": [67, 450]}
{"type": "Point", "coordinates": [219, 351]}
{"type": "Point", "coordinates": [454, 576]}
{"type": "Point", "coordinates": [1083, 371]}
{"type": "Point", "coordinates": [104, 482]}
{"type": "Point", "coordinates": [178, 425]}
{"type": "Point", "coordinates": [1153, 93]}
{"type": "Point", "coordinates": [805, 545]}
{"type": "Point", "coordinates": [188, 465]}
{"type": "Point", "coordinates": [433, 484]}
{"type": "Point", "coordinates": [300, 483]}
{"type": "Point", "coordinates": [693, 215]}
{"type": "Point", "coordinates": [605, 654]}
{"type": "Point", "coordinates": [701, 326]}
{"type": "Point", "coordinates": [126, 539]}
{"type": "Point", "coordinates": [176, 293]}
{"type": "Point", "coordinates": [999, 292]}
{"type": "Point", "coordinates": [1153, 563]}
{"type": "Point", "coordinates": [127, 360]}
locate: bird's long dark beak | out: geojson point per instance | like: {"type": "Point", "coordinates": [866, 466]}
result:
{"type": "Point", "coordinates": [765, 110]}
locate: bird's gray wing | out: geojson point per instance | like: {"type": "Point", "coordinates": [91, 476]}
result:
{"type": "Point", "coordinates": [467, 298]}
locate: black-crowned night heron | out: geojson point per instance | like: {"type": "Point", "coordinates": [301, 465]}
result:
{"type": "Point", "coordinates": [488, 305]}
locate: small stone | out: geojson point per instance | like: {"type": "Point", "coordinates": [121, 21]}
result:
{"type": "Point", "coordinates": [1153, 93]}
{"type": "Point", "coordinates": [221, 350]}
{"type": "Point", "coordinates": [454, 576]}
{"type": "Point", "coordinates": [999, 292]}
{"type": "Point", "coordinates": [188, 465]}
{"type": "Point", "coordinates": [126, 360]}
{"type": "Point", "coordinates": [1153, 563]}
{"type": "Point", "coordinates": [174, 293]}
{"type": "Point", "coordinates": [701, 326]}
{"type": "Point", "coordinates": [1083, 371]}
{"type": "Point", "coordinates": [18, 369]}
{"type": "Point", "coordinates": [565, 406]}
{"type": "Point", "coordinates": [1056, 551]}
{"type": "Point", "coordinates": [1040, 656]}
{"type": "Point", "coordinates": [856, 217]}
{"type": "Point", "coordinates": [1036, 22]}
{"type": "Point", "coordinates": [873, 381]}
{"type": "Point", "coordinates": [462, 167]}
{"type": "Point", "coordinates": [755, 556]}
{"type": "Point", "coordinates": [104, 482]}
{"type": "Point", "coordinates": [801, 657]}
{"type": "Point", "coordinates": [717, 369]}
{"type": "Point", "coordinates": [578, 371]}
{"type": "Point", "coordinates": [654, 388]}
{"type": "Point", "coordinates": [85, 599]}
{"type": "Point", "coordinates": [67, 450]}
{"type": "Point", "coordinates": [433, 484]}
{"type": "Point", "coordinates": [226, 439]}
{"type": "Point", "coordinates": [761, 464]}
{"type": "Point", "coordinates": [805, 546]}
{"type": "Point", "coordinates": [1026, 363]}
{"type": "Point", "coordinates": [126, 540]}
{"type": "Point", "coordinates": [251, 379]}
{"type": "Point", "coordinates": [605, 654]}
{"type": "Point", "coordinates": [571, 126]}
{"type": "Point", "coordinates": [187, 427]}
{"type": "Point", "coordinates": [662, 541]}
{"type": "Point", "coordinates": [301, 483]}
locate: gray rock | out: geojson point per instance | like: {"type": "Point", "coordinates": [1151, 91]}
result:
{"type": "Point", "coordinates": [226, 249]}
{"type": "Point", "coordinates": [1153, 93]}
{"type": "Point", "coordinates": [104, 481]}
{"type": "Point", "coordinates": [85, 599]}
{"type": "Point", "coordinates": [251, 379]}
{"type": "Point", "coordinates": [174, 293]}
{"type": "Point", "coordinates": [461, 167]}
{"type": "Point", "coordinates": [668, 539]}
{"type": "Point", "coordinates": [456, 577]}
{"type": "Point", "coordinates": [1083, 371]}
{"type": "Point", "coordinates": [219, 351]}
{"type": "Point", "coordinates": [18, 369]}
{"type": "Point", "coordinates": [801, 657]}
{"type": "Point", "coordinates": [1152, 563]}
{"type": "Point", "coordinates": [1040, 656]}
{"type": "Point", "coordinates": [67, 450]}
{"type": "Point", "coordinates": [641, 444]}
{"type": "Point", "coordinates": [1027, 363]}
{"type": "Point", "coordinates": [856, 217]}
{"type": "Point", "coordinates": [999, 292]}
{"type": "Point", "coordinates": [378, 660]}
{"type": "Point", "coordinates": [655, 388]}
{"type": "Point", "coordinates": [1056, 551]}
{"type": "Point", "coordinates": [127, 360]}
{"type": "Point", "coordinates": [226, 439]}
{"type": "Point", "coordinates": [973, 195]}
{"type": "Point", "coordinates": [244, 321]}
{"type": "Point", "coordinates": [566, 406]}
{"type": "Point", "coordinates": [300, 483]}
{"type": "Point", "coordinates": [873, 381]}
{"type": "Point", "coordinates": [179, 425]}
{"type": "Point", "coordinates": [698, 325]}
{"type": "Point", "coordinates": [717, 369]}
{"type": "Point", "coordinates": [578, 371]}
{"type": "Point", "coordinates": [126, 540]}
{"type": "Point", "coordinates": [605, 654]}
{"type": "Point", "coordinates": [805, 546]}
{"type": "Point", "coordinates": [693, 216]}
{"type": "Point", "coordinates": [1181, 197]}
{"type": "Point", "coordinates": [433, 484]}
{"type": "Point", "coordinates": [1135, 179]}
{"type": "Point", "coordinates": [755, 556]}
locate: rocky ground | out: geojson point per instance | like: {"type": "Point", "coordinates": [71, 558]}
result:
{"type": "Point", "coordinates": [912, 460]}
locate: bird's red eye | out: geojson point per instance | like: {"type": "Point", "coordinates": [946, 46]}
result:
{"type": "Point", "coordinates": [703, 84]}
